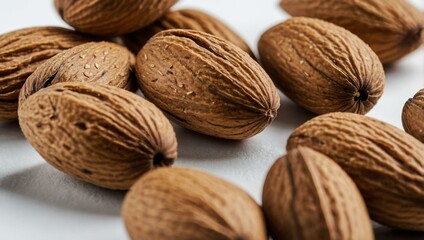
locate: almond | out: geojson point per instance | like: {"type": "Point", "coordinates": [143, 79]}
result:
{"type": "Point", "coordinates": [182, 203]}
{"type": "Point", "coordinates": [185, 19]}
{"type": "Point", "coordinates": [322, 67]}
{"type": "Point", "coordinates": [392, 28]}
{"type": "Point", "coordinates": [308, 196]}
{"type": "Point", "coordinates": [386, 164]}
{"type": "Point", "coordinates": [96, 63]}
{"type": "Point", "coordinates": [110, 17]}
{"type": "Point", "coordinates": [21, 52]}
{"type": "Point", "coordinates": [101, 134]}
{"type": "Point", "coordinates": [206, 84]}
{"type": "Point", "coordinates": [413, 115]}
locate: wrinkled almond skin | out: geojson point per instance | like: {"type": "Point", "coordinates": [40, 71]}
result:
{"type": "Point", "coordinates": [386, 164]}
{"type": "Point", "coordinates": [206, 84]}
{"type": "Point", "coordinates": [308, 196]}
{"type": "Point", "coordinates": [322, 67]}
{"type": "Point", "coordinates": [100, 134]}
{"type": "Point", "coordinates": [95, 62]}
{"type": "Point", "coordinates": [413, 116]}
{"type": "Point", "coordinates": [185, 19]}
{"type": "Point", "coordinates": [392, 28]}
{"type": "Point", "coordinates": [21, 52]}
{"type": "Point", "coordinates": [183, 203]}
{"type": "Point", "coordinates": [110, 17]}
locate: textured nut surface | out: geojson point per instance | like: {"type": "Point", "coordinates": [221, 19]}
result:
{"type": "Point", "coordinates": [21, 52]}
{"type": "Point", "coordinates": [206, 84]}
{"type": "Point", "coordinates": [101, 134]}
{"type": "Point", "coordinates": [96, 63]}
{"type": "Point", "coordinates": [392, 28]}
{"type": "Point", "coordinates": [185, 19]}
{"type": "Point", "coordinates": [111, 17]}
{"type": "Point", "coordinates": [308, 196]}
{"type": "Point", "coordinates": [183, 203]}
{"type": "Point", "coordinates": [413, 116]}
{"type": "Point", "coordinates": [322, 67]}
{"type": "Point", "coordinates": [386, 164]}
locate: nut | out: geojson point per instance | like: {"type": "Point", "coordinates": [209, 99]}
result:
{"type": "Point", "coordinates": [185, 19]}
{"type": "Point", "coordinates": [392, 28]}
{"type": "Point", "coordinates": [386, 164]}
{"type": "Point", "coordinates": [96, 63]}
{"type": "Point", "coordinates": [320, 70]}
{"type": "Point", "coordinates": [182, 203]}
{"type": "Point", "coordinates": [21, 52]}
{"type": "Point", "coordinates": [110, 17]}
{"type": "Point", "coordinates": [413, 115]}
{"type": "Point", "coordinates": [308, 196]}
{"type": "Point", "coordinates": [206, 84]}
{"type": "Point", "coordinates": [101, 134]}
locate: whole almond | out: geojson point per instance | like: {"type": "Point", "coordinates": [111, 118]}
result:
{"type": "Point", "coordinates": [95, 62]}
{"type": "Point", "coordinates": [413, 116]}
{"type": "Point", "coordinates": [392, 28]}
{"type": "Point", "coordinates": [206, 84]}
{"type": "Point", "coordinates": [308, 196]}
{"type": "Point", "coordinates": [110, 17]}
{"type": "Point", "coordinates": [101, 134]}
{"type": "Point", "coordinates": [185, 19]}
{"type": "Point", "coordinates": [386, 164]}
{"type": "Point", "coordinates": [182, 203]}
{"type": "Point", "coordinates": [21, 52]}
{"type": "Point", "coordinates": [322, 67]}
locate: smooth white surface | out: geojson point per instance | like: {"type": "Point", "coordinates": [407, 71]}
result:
{"type": "Point", "coordinates": [39, 202]}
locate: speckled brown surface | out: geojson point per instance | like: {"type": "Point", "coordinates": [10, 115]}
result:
{"type": "Point", "coordinates": [413, 116]}
{"type": "Point", "coordinates": [307, 195]}
{"type": "Point", "coordinates": [21, 52]}
{"type": "Point", "coordinates": [392, 28]}
{"type": "Point", "coordinates": [111, 17]}
{"type": "Point", "coordinates": [322, 67]}
{"type": "Point", "coordinates": [94, 62]}
{"type": "Point", "coordinates": [206, 84]}
{"type": "Point", "coordinates": [183, 203]}
{"type": "Point", "coordinates": [386, 164]}
{"type": "Point", "coordinates": [101, 134]}
{"type": "Point", "coordinates": [185, 19]}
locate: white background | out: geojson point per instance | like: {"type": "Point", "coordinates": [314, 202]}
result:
{"type": "Point", "coordinates": [39, 202]}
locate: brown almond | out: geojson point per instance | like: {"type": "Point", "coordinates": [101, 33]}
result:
{"type": "Point", "coordinates": [95, 62]}
{"type": "Point", "coordinates": [100, 134]}
{"type": "Point", "coordinates": [110, 17]}
{"type": "Point", "coordinates": [386, 163]}
{"type": "Point", "coordinates": [206, 84]}
{"type": "Point", "coordinates": [413, 116]}
{"type": "Point", "coordinates": [392, 28]}
{"type": "Point", "coordinates": [322, 67]}
{"type": "Point", "coordinates": [183, 203]}
{"type": "Point", "coordinates": [185, 19]}
{"type": "Point", "coordinates": [21, 52]}
{"type": "Point", "coordinates": [308, 196]}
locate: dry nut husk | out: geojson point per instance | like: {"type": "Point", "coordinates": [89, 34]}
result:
{"type": "Point", "coordinates": [206, 84]}
{"type": "Point", "coordinates": [322, 67]}
{"type": "Point", "coordinates": [95, 62]}
{"type": "Point", "coordinates": [308, 196]}
{"type": "Point", "coordinates": [392, 28]}
{"type": "Point", "coordinates": [413, 116]}
{"type": "Point", "coordinates": [185, 19]}
{"type": "Point", "coordinates": [386, 164]}
{"type": "Point", "coordinates": [111, 17]}
{"type": "Point", "coordinates": [182, 203]}
{"type": "Point", "coordinates": [101, 134]}
{"type": "Point", "coordinates": [21, 52]}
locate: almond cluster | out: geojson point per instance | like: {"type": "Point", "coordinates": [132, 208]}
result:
{"type": "Point", "coordinates": [75, 95]}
